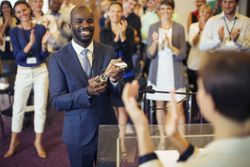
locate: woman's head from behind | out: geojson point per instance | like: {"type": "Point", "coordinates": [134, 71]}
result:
{"type": "Point", "coordinates": [22, 11]}
{"type": "Point", "coordinates": [224, 86]}
{"type": "Point", "coordinates": [6, 8]}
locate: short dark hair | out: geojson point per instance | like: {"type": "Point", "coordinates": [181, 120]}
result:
{"type": "Point", "coordinates": [77, 8]}
{"type": "Point", "coordinates": [226, 77]}
{"type": "Point", "coordinates": [168, 3]}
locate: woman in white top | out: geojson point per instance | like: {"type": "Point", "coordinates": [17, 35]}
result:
{"type": "Point", "coordinates": [195, 54]}
{"type": "Point", "coordinates": [167, 50]}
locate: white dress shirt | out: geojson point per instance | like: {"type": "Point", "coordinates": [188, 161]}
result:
{"type": "Point", "coordinates": [78, 49]}
{"type": "Point", "coordinates": [210, 39]}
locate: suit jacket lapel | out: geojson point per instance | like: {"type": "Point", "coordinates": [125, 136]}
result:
{"type": "Point", "coordinates": [73, 60]}
{"type": "Point", "coordinates": [98, 58]}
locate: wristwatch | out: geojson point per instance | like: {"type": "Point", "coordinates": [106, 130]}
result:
{"type": "Point", "coordinates": [102, 78]}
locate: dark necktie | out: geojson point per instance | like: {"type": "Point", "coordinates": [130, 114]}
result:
{"type": "Point", "coordinates": [86, 64]}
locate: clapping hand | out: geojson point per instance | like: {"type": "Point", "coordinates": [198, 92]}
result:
{"type": "Point", "coordinates": [45, 38]}
{"type": "Point", "coordinates": [155, 37]}
{"type": "Point", "coordinates": [221, 33]}
{"type": "Point", "coordinates": [96, 88]}
{"type": "Point", "coordinates": [114, 72]}
{"type": "Point", "coordinates": [123, 28]}
{"type": "Point", "coordinates": [235, 34]}
{"type": "Point", "coordinates": [32, 37]}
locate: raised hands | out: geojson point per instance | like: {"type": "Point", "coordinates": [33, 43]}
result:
{"type": "Point", "coordinates": [155, 37]}
{"type": "Point", "coordinates": [221, 33]}
{"type": "Point", "coordinates": [235, 34]}
{"type": "Point", "coordinates": [140, 121]}
{"type": "Point", "coordinates": [121, 33]}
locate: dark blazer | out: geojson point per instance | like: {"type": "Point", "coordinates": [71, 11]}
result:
{"type": "Point", "coordinates": [68, 89]}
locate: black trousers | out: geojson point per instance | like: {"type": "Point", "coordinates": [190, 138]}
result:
{"type": "Point", "coordinates": [83, 156]}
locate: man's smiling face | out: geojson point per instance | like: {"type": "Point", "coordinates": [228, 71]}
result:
{"type": "Point", "coordinates": [82, 25]}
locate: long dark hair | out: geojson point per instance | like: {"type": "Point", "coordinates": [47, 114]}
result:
{"type": "Point", "coordinates": [19, 3]}
{"type": "Point", "coordinates": [107, 22]}
{"type": "Point", "coordinates": [8, 4]}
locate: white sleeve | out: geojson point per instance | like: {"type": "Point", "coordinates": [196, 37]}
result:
{"type": "Point", "coordinates": [209, 40]}
{"type": "Point", "coordinates": [193, 30]}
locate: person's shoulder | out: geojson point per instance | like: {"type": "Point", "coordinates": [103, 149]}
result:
{"type": "Point", "coordinates": [63, 50]}
{"type": "Point", "coordinates": [194, 26]}
{"type": "Point", "coordinates": [101, 45]}
{"type": "Point", "coordinates": [105, 29]}
{"type": "Point", "coordinates": [14, 29]}
{"type": "Point", "coordinates": [155, 25]}
{"type": "Point", "coordinates": [215, 18]}
{"type": "Point", "coordinates": [40, 26]}
{"type": "Point", "coordinates": [244, 18]}
{"type": "Point", "coordinates": [177, 25]}
{"type": "Point", "coordinates": [134, 16]}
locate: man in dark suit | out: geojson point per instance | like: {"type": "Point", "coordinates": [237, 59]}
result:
{"type": "Point", "coordinates": [83, 96]}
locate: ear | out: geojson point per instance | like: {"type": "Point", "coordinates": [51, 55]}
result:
{"type": "Point", "coordinates": [211, 110]}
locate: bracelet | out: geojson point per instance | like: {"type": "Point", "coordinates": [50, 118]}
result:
{"type": "Point", "coordinates": [147, 157]}
{"type": "Point", "coordinates": [187, 153]}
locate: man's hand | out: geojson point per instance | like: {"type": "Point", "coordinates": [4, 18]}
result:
{"type": "Point", "coordinates": [114, 72]}
{"type": "Point", "coordinates": [235, 34]}
{"type": "Point", "coordinates": [95, 87]}
{"type": "Point", "coordinates": [221, 33]}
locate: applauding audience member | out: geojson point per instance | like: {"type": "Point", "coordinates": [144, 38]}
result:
{"type": "Point", "coordinates": [167, 49]}
{"type": "Point", "coordinates": [29, 41]}
{"type": "Point", "coordinates": [120, 36]}
{"type": "Point", "coordinates": [223, 76]}
{"type": "Point", "coordinates": [228, 30]}
{"type": "Point", "coordinates": [195, 55]}
{"type": "Point", "coordinates": [7, 21]}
